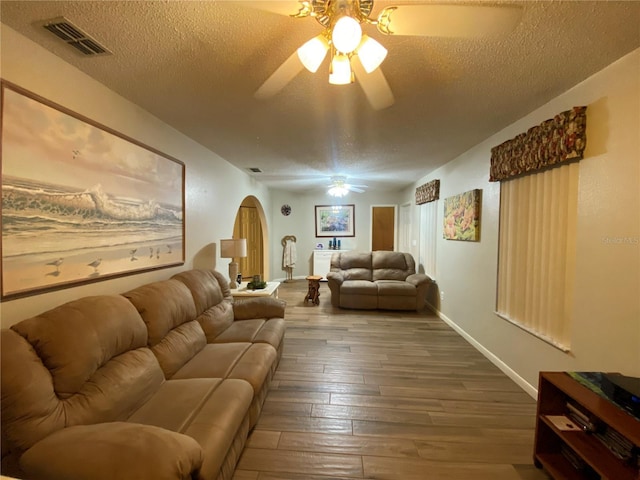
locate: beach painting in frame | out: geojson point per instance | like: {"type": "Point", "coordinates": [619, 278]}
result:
{"type": "Point", "coordinates": [81, 202]}
{"type": "Point", "coordinates": [462, 216]}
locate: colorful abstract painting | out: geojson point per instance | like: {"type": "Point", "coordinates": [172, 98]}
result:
{"type": "Point", "coordinates": [81, 202]}
{"type": "Point", "coordinates": [462, 216]}
{"type": "Point", "coordinates": [335, 220]}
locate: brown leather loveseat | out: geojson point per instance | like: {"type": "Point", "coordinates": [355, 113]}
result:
{"type": "Point", "coordinates": [162, 382]}
{"type": "Point", "coordinates": [376, 280]}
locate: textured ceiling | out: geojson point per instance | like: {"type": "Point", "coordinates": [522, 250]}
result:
{"type": "Point", "coordinates": [196, 65]}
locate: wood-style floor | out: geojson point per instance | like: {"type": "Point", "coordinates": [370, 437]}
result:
{"type": "Point", "coordinates": [389, 395]}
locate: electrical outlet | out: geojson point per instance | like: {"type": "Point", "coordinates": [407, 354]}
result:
{"type": "Point", "coordinates": [442, 296]}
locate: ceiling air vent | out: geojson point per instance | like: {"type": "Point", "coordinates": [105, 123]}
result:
{"type": "Point", "coordinates": [255, 170]}
{"type": "Point", "coordinates": [73, 36]}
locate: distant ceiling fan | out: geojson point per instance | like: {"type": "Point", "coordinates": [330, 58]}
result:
{"type": "Point", "coordinates": [339, 187]}
{"type": "Point", "coordinates": [354, 53]}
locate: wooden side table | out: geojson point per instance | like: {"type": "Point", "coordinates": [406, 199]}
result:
{"type": "Point", "coordinates": [313, 294]}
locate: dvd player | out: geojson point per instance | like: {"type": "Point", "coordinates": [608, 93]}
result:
{"type": "Point", "coordinates": [623, 390]}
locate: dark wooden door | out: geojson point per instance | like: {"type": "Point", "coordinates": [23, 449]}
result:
{"type": "Point", "coordinates": [383, 228]}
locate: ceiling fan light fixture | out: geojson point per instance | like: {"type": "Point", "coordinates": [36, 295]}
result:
{"type": "Point", "coordinates": [371, 53]}
{"type": "Point", "coordinates": [340, 73]}
{"type": "Point", "coordinates": [346, 34]}
{"type": "Point", "coordinates": [338, 191]}
{"type": "Point", "coordinates": [312, 53]}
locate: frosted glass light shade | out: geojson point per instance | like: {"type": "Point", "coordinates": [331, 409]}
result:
{"type": "Point", "coordinates": [312, 53]}
{"type": "Point", "coordinates": [338, 191]}
{"type": "Point", "coordinates": [346, 34]}
{"type": "Point", "coordinates": [371, 53]}
{"type": "Point", "coordinates": [340, 70]}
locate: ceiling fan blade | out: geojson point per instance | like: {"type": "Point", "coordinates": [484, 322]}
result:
{"type": "Point", "coordinates": [354, 189]}
{"type": "Point", "coordinates": [292, 8]}
{"type": "Point", "coordinates": [278, 79]}
{"type": "Point", "coordinates": [373, 84]}
{"type": "Point", "coordinates": [449, 20]}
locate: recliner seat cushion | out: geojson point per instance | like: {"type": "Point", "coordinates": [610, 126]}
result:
{"type": "Point", "coordinates": [395, 288]}
{"type": "Point", "coordinates": [212, 411]}
{"type": "Point", "coordinates": [358, 287]}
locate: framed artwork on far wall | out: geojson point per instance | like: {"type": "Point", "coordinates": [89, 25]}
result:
{"type": "Point", "coordinates": [81, 202]}
{"type": "Point", "coordinates": [462, 216]}
{"type": "Point", "coordinates": [335, 220]}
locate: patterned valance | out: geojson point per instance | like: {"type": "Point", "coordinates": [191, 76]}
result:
{"type": "Point", "coordinates": [559, 139]}
{"type": "Point", "coordinates": [428, 192]}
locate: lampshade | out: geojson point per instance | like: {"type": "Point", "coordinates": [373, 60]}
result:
{"type": "Point", "coordinates": [340, 70]}
{"type": "Point", "coordinates": [346, 34]}
{"type": "Point", "coordinates": [233, 248]}
{"type": "Point", "coordinates": [312, 53]}
{"type": "Point", "coordinates": [371, 53]}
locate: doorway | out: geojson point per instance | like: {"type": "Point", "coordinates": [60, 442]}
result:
{"type": "Point", "coordinates": [383, 227]}
{"type": "Point", "coordinates": [249, 224]}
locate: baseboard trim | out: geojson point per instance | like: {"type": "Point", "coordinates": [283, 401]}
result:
{"type": "Point", "coordinates": [508, 371]}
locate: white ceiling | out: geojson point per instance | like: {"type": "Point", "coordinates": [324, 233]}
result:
{"type": "Point", "coordinates": [196, 65]}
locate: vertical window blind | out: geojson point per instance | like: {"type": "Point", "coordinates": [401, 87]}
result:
{"type": "Point", "coordinates": [428, 227]}
{"type": "Point", "coordinates": [536, 256]}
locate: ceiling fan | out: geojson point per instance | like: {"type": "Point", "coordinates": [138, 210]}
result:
{"type": "Point", "coordinates": [339, 187]}
{"type": "Point", "coordinates": [355, 54]}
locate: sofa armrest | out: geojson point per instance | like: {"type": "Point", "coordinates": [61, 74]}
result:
{"type": "Point", "coordinates": [335, 278]}
{"type": "Point", "coordinates": [418, 279]}
{"type": "Point", "coordinates": [105, 451]}
{"type": "Point", "coordinates": [260, 307]}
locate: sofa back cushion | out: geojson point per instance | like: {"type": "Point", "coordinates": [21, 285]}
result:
{"type": "Point", "coordinates": [353, 265]}
{"type": "Point", "coordinates": [81, 363]}
{"type": "Point", "coordinates": [392, 265]}
{"type": "Point", "coordinates": [212, 298]}
{"type": "Point", "coordinates": [169, 313]}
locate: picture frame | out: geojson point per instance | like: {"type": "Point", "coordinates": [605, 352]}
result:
{"type": "Point", "coordinates": [81, 202]}
{"type": "Point", "coordinates": [335, 220]}
{"type": "Point", "coordinates": [462, 216]}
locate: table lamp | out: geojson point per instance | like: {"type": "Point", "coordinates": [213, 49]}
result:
{"type": "Point", "coordinates": [233, 248]}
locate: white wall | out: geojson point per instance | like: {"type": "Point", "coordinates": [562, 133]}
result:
{"type": "Point", "coordinates": [606, 312]}
{"type": "Point", "coordinates": [301, 223]}
{"type": "Point", "coordinates": [214, 188]}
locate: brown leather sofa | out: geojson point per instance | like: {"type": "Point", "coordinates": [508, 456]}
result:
{"type": "Point", "coordinates": [162, 382]}
{"type": "Point", "coordinates": [377, 280]}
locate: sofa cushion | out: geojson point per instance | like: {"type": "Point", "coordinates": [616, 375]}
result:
{"type": "Point", "coordinates": [242, 331]}
{"type": "Point", "coordinates": [111, 450]}
{"type": "Point", "coordinates": [212, 299]}
{"type": "Point", "coordinates": [395, 288]}
{"type": "Point", "coordinates": [212, 411]}
{"type": "Point", "coordinates": [359, 287]}
{"type": "Point", "coordinates": [353, 265]}
{"type": "Point", "coordinates": [246, 361]}
{"type": "Point", "coordinates": [252, 363]}
{"type": "Point", "coordinates": [392, 265]}
{"type": "Point", "coordinates": [83, 362]}
{"type": "Point", "coordinates": [168, 311]}
{"type": "Point", "coordinates": [163, 306]}
{"type": "Point", "coordinates": [258, 320]}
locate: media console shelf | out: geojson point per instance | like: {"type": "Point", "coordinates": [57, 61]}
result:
{"type": "Point", "coordinates": [575, 453]}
